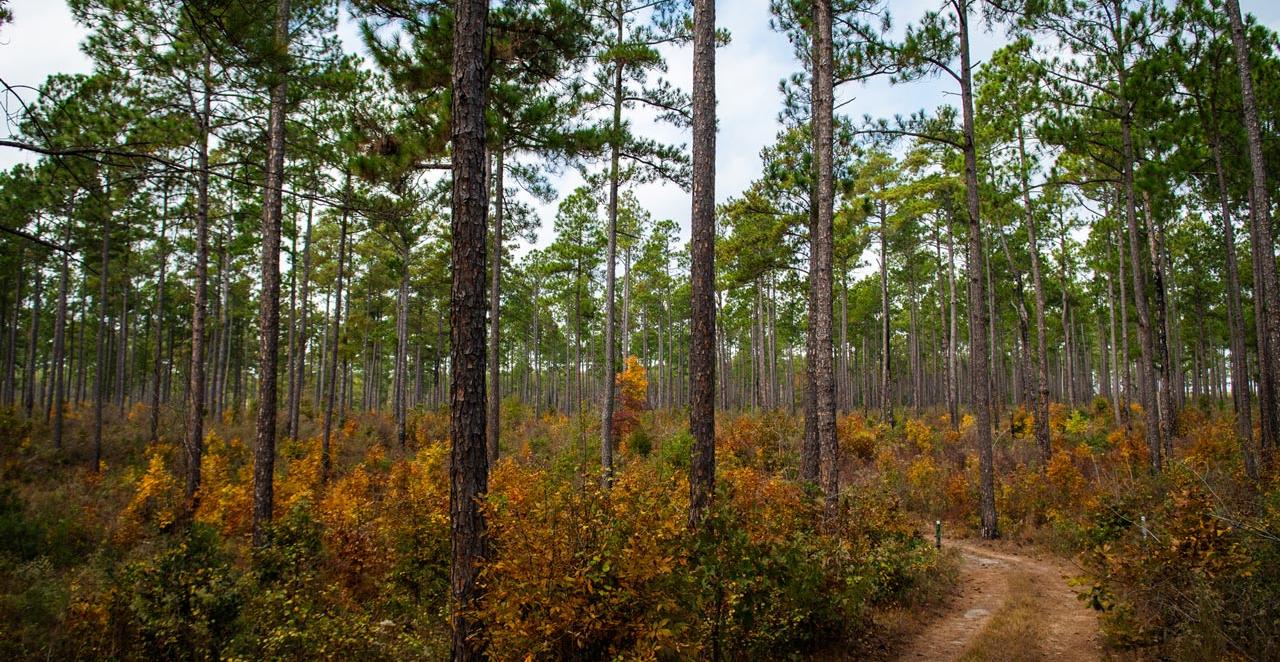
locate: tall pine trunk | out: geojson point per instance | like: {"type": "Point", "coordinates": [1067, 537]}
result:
{"type": "Point", "coordinates": [59, 343]}
{"type": "Point", "coordinates": [469, 466]}
{"type": "Point", "coordinates": [194, 441]}
{"type": "Point", "coordinates": [264, 455]}
{"type": "Point", "coordinates": [400, 393]}
{"type": "Point", "coordinates": [823, 383]}
{"type": "Point", "coordinates": [33, 335]}
{"type": "Point", "coordinates": [702, 323]}
{"type": "Point", "coordinates": [1267, 301]}
{"type": "Point", "coordinates": [1165, 399]}
{"type": "Point", "coordinates": [331, 382]}
{"type": "Point", "coordinates": [610, 265]}
{"type": "Point", "coordinates": [886, 340]}
{"type": "Point", "coordinates": [100, 359]}
{"type": "Point", "coordinates": [300, 361]}
{"type": "Point", "coordinates": [153, 428]}
{"type": "Point", "coordinates": [978, 321]}
{"type": "Point", "coordinates": [1147, 381]}
{"type": "Point", "coordinates": [1240, 395]}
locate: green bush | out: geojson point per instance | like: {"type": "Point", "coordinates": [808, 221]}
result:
{"type": "Point", "coordinates": [675, 452]}
{"type": "Point", "coordinates": [768, 596]}
{"type": "Point", "coordinates": [182, 603]}
{"type": "Point", "coordinates": [639, 442]}
{"type": "Point", "coordinates": [50, 534]}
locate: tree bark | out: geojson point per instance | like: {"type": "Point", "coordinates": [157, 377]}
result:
{"type": "Point", "coordinates": [469, 466]}
{"type": "Point", "coordinates": [122, 346]}
{"type": "Point", "coordinates": [1041, 409]}
{"type": "Point", "coordinates": [953, 331]}
{"type": "Point", "coordinates": [194, 441]}
{"type": "Point", "coordinates": [1114, 377]}
{"type": "Point", "coordinates": [886, 340]}
{"type": "Point", "coordinates": [11, 354]}
{"type": "Point", "coordinates": [611, 258]}
{"type": "Point", "coordinates": [702, 473]}
{"type": "Point", "coordinates": [1240, 395]}
{"type": "Point", "coordinates": [823, 383]}
{"type": "Point", "coordinates": [291, 364]}
{"type": "Point", "coordinates": [1024, 335]}
{"type": "Point", "coordinates": [1267, 301]}
{"type": "Point", "coordinates": [100, 359]}
{"type": "Point", "coordinates": [264, 456]}
{"type": "Point", "coordinates": [1147, 365]}
{"type": "Point", "coordinates": [1165, 400]}
{"type": "Point", "coordinates": [59, 343]}
{"type": "Point", "coordinates": [977, 312]}
{"type": "Point", "coordinates": [300, 362]}
{"type": "Point", "coordinates": [33, 335]}
{"type": "Point", "coordinates": [331, 382]}
{"type": "Point", "coordinates": [400, 394]}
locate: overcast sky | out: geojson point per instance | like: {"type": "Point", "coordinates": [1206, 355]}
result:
{"type": "Point", "coordinates": [43, 40]}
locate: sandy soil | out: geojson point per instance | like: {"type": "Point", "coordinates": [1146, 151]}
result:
{"type": "Point", "coordinates": [1068, 629]}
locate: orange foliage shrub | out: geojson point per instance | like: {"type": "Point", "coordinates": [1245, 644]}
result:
{"type": "Point", "coordinates": [954, 438]}
{"type": "Point", "coordinates": [358, 566]}
{"type": "Point", "coordinates": [756, 440]}
{"type": "Point", "coordinates": [1213, 444]}
{"type": "Point", "coordinates": [924, 479]}
{"type": "Point", "coordinates": [1058, 414]}
{"type": "Point", "coordinates": [1022, 422]}
{"type": "Point", "coordinates": [920, 435]}
{"type": "Point", "coordinates": [738, 437]}
{"type": "Point", "coordinates": [226, 486]}
{"type": "Point", "coordinates": [582, 572]}
{"type": "Point", "coordinates": [773, 506]}
{"type": "Point", "coordinates": [157, 498]}
{"type": "Point", "coordinates": [856, 437]}
{"type": "Point", "coordinates": [633, 385]}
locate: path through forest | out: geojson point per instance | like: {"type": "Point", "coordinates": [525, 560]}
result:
{"type": "Point", "coordinates": [1013, 604]}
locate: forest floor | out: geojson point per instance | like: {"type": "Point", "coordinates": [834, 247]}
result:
{"type": "Point", "coordinates": [1011, 603]}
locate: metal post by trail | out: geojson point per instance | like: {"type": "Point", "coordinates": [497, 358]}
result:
{"type": "Point", "coordinates": [937, 533]}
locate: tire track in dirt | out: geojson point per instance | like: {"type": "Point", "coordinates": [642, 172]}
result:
{"type": "Point", "coordinates": [1066, 629]}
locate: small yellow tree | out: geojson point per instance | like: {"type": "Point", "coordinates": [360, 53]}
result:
{"type": "Point", "coordinates": [633, 385]}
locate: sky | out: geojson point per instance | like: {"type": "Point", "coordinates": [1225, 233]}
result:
{"type": "Point", "coordinates": [43, 40]}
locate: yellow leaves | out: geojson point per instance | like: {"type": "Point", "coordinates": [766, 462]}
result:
{"type": "Point", "coordinates": [157, 498]}
{"type": "Point", "coordinates": [919, 435]}
{"type": "Point", "coordinates": [1065, 478]}
{"type": "Point", "coordinates": [923, 473]}
{"type": "Point", "coordinates": [1059, 413]}
{"type": "Point", "coordinates": [855, 437]}
{"type": "Point", "coordinates": [739, 437]}
{"type": "Point", "coordinates": [138, 412]}
{"type": "Point", "coordinates": [430, 427]}
{"type": "Point", "coordinates": [1022, 422]}
{"type": "Point", "coordinates": [633, 385]}
{"type": "Point", "coordinates": [569, 561]}
{"type": "Point", "coordinates": [226, 493]}
{"type": "Point", "coordinates": [771, 508]}
{"type": "Point", "coordinates": [633, 382]}
{"type": "Point", "coordinates": [1212, 444]}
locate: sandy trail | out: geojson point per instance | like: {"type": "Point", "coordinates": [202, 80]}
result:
{"type": "Point", "coordinates": [1067, 628]}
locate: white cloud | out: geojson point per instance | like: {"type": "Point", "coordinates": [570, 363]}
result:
{"type": "Point", "coordinates": [41, 41]}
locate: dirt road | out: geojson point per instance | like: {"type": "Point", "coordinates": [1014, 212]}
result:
{"type": "Point", "coordinates": [1013, 604]}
